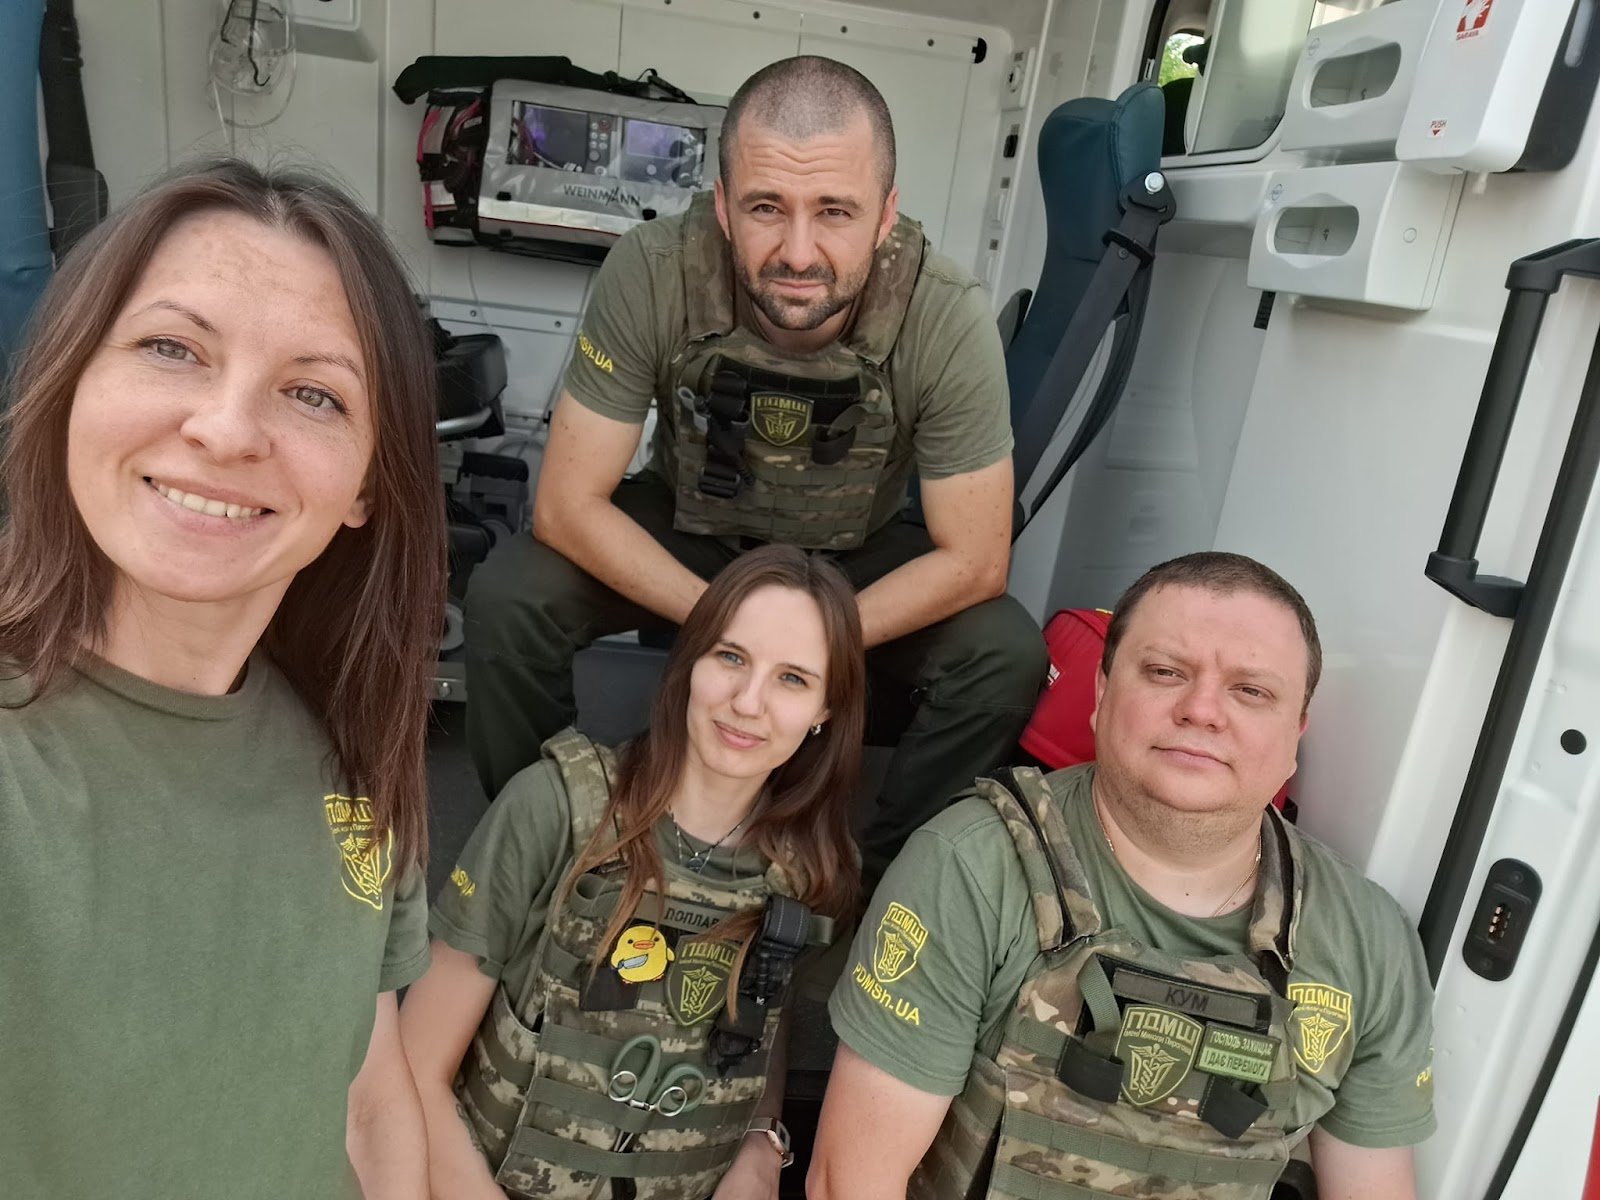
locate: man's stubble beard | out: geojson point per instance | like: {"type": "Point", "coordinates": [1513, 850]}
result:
{"type": "Point", "coordinates": [799, 318]}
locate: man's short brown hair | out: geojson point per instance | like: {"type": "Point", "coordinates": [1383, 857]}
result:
{"type": "Point", "coordinates": [804, 97]}
{"type": "Point", "coordinates": [1219, 571]}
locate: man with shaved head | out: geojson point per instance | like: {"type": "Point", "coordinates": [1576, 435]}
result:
{"type": "Point", "coordinates": [808, 352]}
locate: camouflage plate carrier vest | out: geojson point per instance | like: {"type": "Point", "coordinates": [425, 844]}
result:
{"type": "Point", "coordinates": [812, 433]}
{"type": "Point", "coordinates": [1124, 1071]}
{"type": "Point", "coordinates": [533, 1085]}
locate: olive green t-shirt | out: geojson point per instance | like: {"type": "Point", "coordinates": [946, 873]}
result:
{"type": "Point", "coordinates": [961, 877]}
{"type": "Point", "coordinates": [197, 928]}
{"type": "Point", "coordinates": [947, 373]}
{"type": "Point", "coordinates": [498, 898]}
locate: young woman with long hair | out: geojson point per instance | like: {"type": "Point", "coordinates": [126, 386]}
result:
{"type": "Point", "coordinates": [220, 593]}
{"type": "Point", "coordinates": [609, 910]}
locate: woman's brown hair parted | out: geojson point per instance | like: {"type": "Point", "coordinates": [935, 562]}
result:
{"type": "Point", "coordinates": [357, 632]}
{"type": "Point", "coordinates": [802, 818]}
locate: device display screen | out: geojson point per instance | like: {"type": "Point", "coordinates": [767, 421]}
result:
{"type": "Point", "coordinates": [542, 136]}
{"type": "Point", "coordinates": [657, 153]}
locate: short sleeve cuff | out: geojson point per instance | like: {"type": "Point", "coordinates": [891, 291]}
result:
{"type": "Point", "coordinates": [576, 384]}
{"type": "Point", "coordinates": [1391, 1137]}
{"type": "Point", "coordinates": [467, 942]}
{"type": "Point", "coordinates": [972, 462]}
{"type": "Point", "coordinates": [882, 1055]}
{"type": "Point", "coordinates": [404, 972]}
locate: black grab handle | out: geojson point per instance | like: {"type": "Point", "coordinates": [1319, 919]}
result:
{"type": "Point", "coordinates": [1533, 604]}
{"type": "Point", "coordinates": [1454, 565]}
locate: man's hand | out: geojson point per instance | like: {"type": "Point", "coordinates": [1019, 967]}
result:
{"type": "Point", "coordinates": [969, 520]}
{"type": "Point", "coordinates": [1346, 1172]}
{"type": "Point", "coordinates": [584, 461]}
{"type": "Point", "coordinates": [902, 1120]}
{"type": "Point", "coordinates": [385, 1138]}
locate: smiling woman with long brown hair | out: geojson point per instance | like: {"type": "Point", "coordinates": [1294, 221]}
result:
{"type": "Point", "coordinates": [612, 949]}
{"type": "Point", "coordinates": [220, 594]}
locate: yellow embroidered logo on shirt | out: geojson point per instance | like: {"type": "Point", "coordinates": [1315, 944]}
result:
{"type": "Point", "coordinates": [595, 355]}
{"type": "Point", "coordinates": [366, 860]}
{"type": "Point", "coordinates": [900, 938]}
{"type": "Point", "coordinates": [463, 882]}
{"type": "Point", "coordinates": [1322, 1017]}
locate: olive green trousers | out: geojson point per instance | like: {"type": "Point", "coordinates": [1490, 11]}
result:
{"type": "Point", "coordinates": [969, 682]}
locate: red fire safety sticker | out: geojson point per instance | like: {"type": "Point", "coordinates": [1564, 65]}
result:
{"type": "Point", "coordinates": [1473, 18]}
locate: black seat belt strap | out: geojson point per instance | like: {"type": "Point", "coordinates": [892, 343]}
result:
{"type": "Point", "coordinates": [1130, 249]}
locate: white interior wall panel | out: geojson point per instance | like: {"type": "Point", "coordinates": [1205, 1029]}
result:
{"type": "Point", "coordinates": [124, 90]}
{"type": "Point", "coordinates": [586, 31]}
{"type": "Point", "coordinates": [675, 38]}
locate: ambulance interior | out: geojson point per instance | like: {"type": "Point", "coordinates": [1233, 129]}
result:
{"type": "Point", "coordinates": [1312, 386]}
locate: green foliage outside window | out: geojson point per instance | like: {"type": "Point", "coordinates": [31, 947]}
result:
{"type": "Point", "coordinates": [1172, 64]}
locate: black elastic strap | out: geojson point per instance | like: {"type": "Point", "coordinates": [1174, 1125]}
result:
{"type": "Point", "coordinates": [768, 968]}
{"type": "Point", "coordinates": [727, 412]}
{"type": "Point", "coordinates": [1088, 1074]}
{"type": "Point", "coordinates": [1229, 1109]}
{"type": "Point", "coordinates": [830, 443]}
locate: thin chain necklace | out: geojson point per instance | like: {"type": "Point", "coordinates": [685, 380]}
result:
{"type": "Point", "coordinates": [697, 862]}
{"type": "Point", "coordinates": [1232, 896]}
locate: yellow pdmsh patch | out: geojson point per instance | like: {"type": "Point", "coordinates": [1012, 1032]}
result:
{"type": "Point", "coordinates": [900, 938]}
{"type": "Point", "coordinates": [463, 882]}
{"type": "Point", "coordinates": [595, 355]}
{"type": "Point", "coordinates": [641, 954]}
{"type": "Point", "coordinates": [1321, 1019]}
{"type": "Point", "coordinates": [1159, 1048]}
{"type": "Point", "coordinates": [780, 420]}
{"type": "Point", "coordinates": [366, 859]}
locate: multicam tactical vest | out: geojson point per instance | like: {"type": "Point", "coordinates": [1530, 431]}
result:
{"type": "Point", "coordinates": [1123, 1071]}
{"type": "Point", "coordinates": [791, 491]}
{"type": "Point", "coordinates": [533, 1085]}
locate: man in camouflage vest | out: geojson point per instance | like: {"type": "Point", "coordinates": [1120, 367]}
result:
{"type": "Point", "coordinates": [1133, 977]}
{"type": "Point", "coordinates": [807, 352]}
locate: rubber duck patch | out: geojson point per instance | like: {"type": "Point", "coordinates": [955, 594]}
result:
{"type": "Point", "coordinates": [641, 954]}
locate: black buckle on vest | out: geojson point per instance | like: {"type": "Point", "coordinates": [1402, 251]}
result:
{"type": "Point", "coordinates": [1088, 1074]}
{"type": "Point", "coordinates": [720, 480]}
{"type": "Point", "coordinates": [1229, 1109]}
{"type": "Point", "coordinates": [768, 966]}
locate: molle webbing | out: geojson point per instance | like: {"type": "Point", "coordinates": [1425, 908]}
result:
{"type": "Point", "coordinates": [533, 1086]}
{"type": "Point", "coordinates": [1096, 1088]}
{"type": "Point", "coordinates": [772, 445]}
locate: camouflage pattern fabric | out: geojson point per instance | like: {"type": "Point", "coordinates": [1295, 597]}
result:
{"type": "Point", "coordinates": [1157, 1016]}
{"type": "Point", "coordinates": [789, 497]}
{"type": "Point", "coordinates": [533, 1085]}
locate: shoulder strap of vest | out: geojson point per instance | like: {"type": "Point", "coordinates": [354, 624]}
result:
{"type": "Point", "coordinates": [708, 281]}
{"type": "Point", "coordinates": [1275, 915]}
{"type": "Point", "coordinates": [1063, 907]}
{"type": "Point", "coordinates": [589, 772]}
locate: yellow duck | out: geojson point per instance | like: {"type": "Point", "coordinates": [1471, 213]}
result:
{"type": "Point", "coordinates": [642, 954]}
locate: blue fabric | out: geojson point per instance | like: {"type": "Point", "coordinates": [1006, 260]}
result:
{"type": "Point", "coordinates": [1089, 150]}
{"type": "Point", "coordinates": [25, 261]}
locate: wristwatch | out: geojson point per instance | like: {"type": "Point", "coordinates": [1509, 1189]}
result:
{"type": "Point", "coordinates": [776, 1134]}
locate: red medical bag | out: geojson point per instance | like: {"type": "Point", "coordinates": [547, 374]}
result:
{"type": "Point", "coordinates": [1058, 733]}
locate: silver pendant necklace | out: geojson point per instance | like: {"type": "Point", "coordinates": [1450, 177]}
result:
{"type": "Point", "coordinates": [697, 861]}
